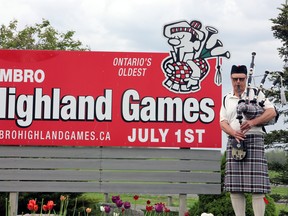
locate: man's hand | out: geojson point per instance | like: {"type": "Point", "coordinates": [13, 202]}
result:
{"type": "Point", "coordinates": [247, 125]}
{"type": "Point", "coordinates": [239, 135]}
{"type": "Point", "coordinates": [170, 69]}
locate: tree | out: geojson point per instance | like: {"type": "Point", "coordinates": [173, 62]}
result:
{"type": "Point", "coordinates": [276, 136]}
{"type": "Point", "coordinates": [284, 174]}
{"type": "Point", "coordinates": [280, 31]}
{"type": "Point", "coordinates": [41, 36]}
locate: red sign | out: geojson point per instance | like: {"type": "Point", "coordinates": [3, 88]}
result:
{"type": "Point", "coordinates": [107, 99]}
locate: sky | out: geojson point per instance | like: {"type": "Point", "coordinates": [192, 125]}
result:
{"type": "Point", "coordinates": [129, 25]}
{"type": "Point", "coordinates": [137, 25]}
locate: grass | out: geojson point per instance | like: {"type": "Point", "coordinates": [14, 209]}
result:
{"type": "Point", "coordinates": [99, 197]}
{"type": "Point", "coordinates": [281, 190]}
{"type": "Point", "coordinates": [280, 207]}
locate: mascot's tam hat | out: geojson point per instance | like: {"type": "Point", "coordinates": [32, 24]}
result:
{"type": "Point", "coordinates": [239, 69]}
{"type": "Point", "coordinates": [194, 28]}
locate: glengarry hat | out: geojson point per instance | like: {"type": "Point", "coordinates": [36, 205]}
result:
{"type": "Point", "coordinates": [239, 69]}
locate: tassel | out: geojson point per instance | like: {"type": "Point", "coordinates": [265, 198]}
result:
{"type": "Point", "coordinates": [218, 76]}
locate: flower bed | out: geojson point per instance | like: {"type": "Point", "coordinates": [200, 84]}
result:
{"type": "Point", "coordinates": [117, 207]}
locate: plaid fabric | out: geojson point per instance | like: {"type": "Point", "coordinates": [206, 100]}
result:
{"type": "Point", "coordinates": [182, 71]}
{"type": "Point", "coordinates": [202, 64]}
{"type": "Point", "coordinates": [250, 111]}
{"type": "Point", "coordinates": [250, 174]}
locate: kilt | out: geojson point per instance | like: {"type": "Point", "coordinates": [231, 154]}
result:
{"type": "Point", "coordinates": [250, 174]}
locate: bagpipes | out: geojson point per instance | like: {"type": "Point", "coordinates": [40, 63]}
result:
{"type": "Point", "coordinates": [239, 149]}
{"type": "Point", "coordinates": [252, 108]}
{"type": "Point", "coordinates": [249, 110]}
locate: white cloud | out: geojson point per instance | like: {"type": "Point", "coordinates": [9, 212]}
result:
{"type": "Point", "coordinates": [129, 25]}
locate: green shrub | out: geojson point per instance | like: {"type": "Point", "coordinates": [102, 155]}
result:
{"type": "Point", "coordinates": [221, 205]}
{"type": "Point", "coordinates": [276, 197]}
{"type": "Point", "coordinates": [216, 204]}
{"type": "Point", "coordinates": [283, 213]}
{"type": "Point", "coordinates": [276, 160]}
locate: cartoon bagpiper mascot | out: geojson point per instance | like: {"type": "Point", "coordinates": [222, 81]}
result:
{"type": "Point", "coordinates": [186, 66]}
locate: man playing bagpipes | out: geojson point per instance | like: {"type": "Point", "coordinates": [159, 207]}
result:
{"type": "Point", "coordinates": [246, 166]}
